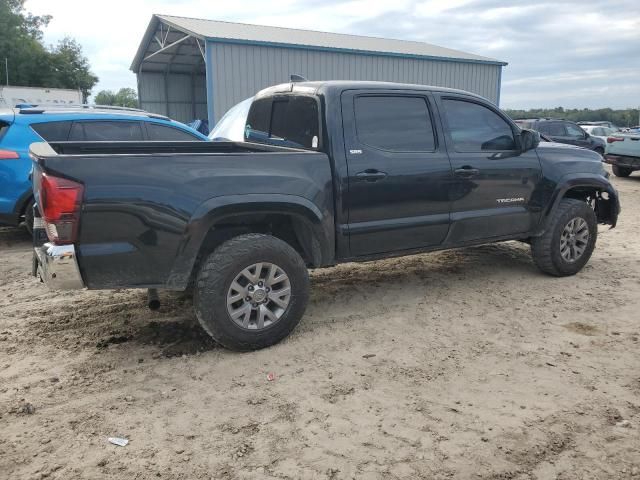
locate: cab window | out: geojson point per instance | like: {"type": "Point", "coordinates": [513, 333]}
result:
{"type": "Point", "coordinates": [394, 123]}
{"type": "Point", "coordinates": [475, 128]}
{"type": "Point", "coordinates": [288, 120]}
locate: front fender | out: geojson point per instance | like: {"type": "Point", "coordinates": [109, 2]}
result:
{"type": "Point", "coordinates": [218, 209]}
{"type": "Point", "coordinates": [585, 180]}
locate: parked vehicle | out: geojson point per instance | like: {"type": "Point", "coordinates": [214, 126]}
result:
{"type": "Point", "coordinates": [563, 131]}
{"type": "Point", "coordinates": [21, 127]}
{"type": "Point", "coordinates": [623, 153]}
{"type": "Point", "coordinates": [599, 132]}
{"type": "Point", "coordinates": [379, 170]}
{"type": "Point", "coordinates": [602, 123]}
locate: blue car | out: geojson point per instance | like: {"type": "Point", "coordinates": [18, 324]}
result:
{"type": "Point", "coordinates": [20, 127]}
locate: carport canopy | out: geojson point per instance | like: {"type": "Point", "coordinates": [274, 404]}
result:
{"type": "Point", "coordinates": [170, 66]}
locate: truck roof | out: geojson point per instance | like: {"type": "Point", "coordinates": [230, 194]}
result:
{"type": "Point", "coordinates": [337, 86]}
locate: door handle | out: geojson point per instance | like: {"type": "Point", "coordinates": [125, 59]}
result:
{"type": "Point", "coordinates": [466, 172]}
{"type": "Point", "coordinates": [371, 175]}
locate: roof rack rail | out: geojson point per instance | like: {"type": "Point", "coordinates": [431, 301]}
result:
{"type": "Point", "coordinates": [82, 106]}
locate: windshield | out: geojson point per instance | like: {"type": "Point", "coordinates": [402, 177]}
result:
{"type": "Point", "coordinates": [230, 128]}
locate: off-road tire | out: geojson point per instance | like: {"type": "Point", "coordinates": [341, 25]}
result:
{"type": "Point", "coordinates": [546, 248]}
{"type": "Point", "coordinates": [621, 171]}
{"type": "Point", "coordinates": [221, 267]}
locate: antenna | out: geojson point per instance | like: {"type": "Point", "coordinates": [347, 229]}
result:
{"type": "Point", "coordinates": [298, 78]}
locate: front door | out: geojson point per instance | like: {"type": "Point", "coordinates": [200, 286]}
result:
{"type": "Point", "coordinates": [493, 182]}
{"type": "Point", "coordinates": [398, 170]}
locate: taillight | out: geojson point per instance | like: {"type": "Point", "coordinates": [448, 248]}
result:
{"type": "Point", "coordinates": [8, 155]}
{"type": "Point", "coordinates": [615, 139]}
{"type": "Point", "coordinates": [59, 201]}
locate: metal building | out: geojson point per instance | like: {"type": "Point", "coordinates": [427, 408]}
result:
{"type": "Point", "coordinates": [190, 68]}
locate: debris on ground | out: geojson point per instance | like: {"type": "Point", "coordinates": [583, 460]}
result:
{"type": "Point", "coordinates": [121, 442]}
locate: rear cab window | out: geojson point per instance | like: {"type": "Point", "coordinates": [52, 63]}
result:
{"type": "Point", "coordinates": [284, 120]}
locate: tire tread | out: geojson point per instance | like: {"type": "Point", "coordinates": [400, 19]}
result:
{"type": "Point", "coordinates": [211, 276]}
{"type": "Point", "coordinates": [542, 247]}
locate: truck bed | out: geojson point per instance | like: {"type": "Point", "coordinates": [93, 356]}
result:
{"type": "Point", "coordinates": [146, 203]}
{"type": "Point", "coordinates": [146, 148]}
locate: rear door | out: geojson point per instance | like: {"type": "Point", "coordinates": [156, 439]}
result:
{"type": "Point", "coordinates": [398, 171]}
{"type": "Point", "coordinates": [493, 181]}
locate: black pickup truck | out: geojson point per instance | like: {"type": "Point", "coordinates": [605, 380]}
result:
{"type": "Point", "coordinates": [324, 172]}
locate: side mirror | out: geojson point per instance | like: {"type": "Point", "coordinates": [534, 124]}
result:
{"type": "Point", "coordinates": [529, 139]}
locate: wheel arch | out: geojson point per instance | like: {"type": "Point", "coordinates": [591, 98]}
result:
{"type": "Point", "coordinates": [587, 187]}
{"type": "Point", "coordinates": [23, 202]}
{"type": "Point", "coordinates": [293, 219]}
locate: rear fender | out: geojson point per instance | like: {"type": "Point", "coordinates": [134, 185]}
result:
{"type": "Point", "coordinates": [315, 227]}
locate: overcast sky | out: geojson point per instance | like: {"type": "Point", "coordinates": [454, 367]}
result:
{"type": "Point", "coordinates": [574, 53]}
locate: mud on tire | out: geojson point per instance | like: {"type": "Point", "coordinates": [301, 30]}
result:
{"type": "Point", "coordinates": [222, 267]}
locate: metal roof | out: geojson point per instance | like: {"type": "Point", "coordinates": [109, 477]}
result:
{"type": "Point", "coordinates": [215, 30]}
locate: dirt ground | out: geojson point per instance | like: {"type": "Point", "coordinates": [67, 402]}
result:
{"type": "Point", "coordinates": [461, 364]}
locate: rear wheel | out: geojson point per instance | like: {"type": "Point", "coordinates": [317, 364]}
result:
{"type": "Point", "coordinates": [28, 217]}
{"type": "Point", "coordinates": [251, 292]}
{"type": "Point", "coordinates": [621, 171]}
{"type": "Point", "coordinates": [599, 150]}
{"type": "Point", "coordinates": [568, 241]}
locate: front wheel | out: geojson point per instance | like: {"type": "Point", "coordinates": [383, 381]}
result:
{"type": "Point", "coordinates": [621, 171]}
{"type": "Point", "coordinates": [251, 292]}
{"type": "Point", "coordinates": [568, 241]}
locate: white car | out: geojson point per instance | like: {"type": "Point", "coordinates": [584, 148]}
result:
{"type": "Point", "coordinates": [598, 131]}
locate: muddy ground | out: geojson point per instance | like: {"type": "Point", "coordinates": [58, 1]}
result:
{"type": "Point", "coordinates": [461, 364]}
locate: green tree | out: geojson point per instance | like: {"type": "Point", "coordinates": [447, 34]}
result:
{"type": "Point", "coordinates": [21, 43]}
{"type": "Point", "coordinates": [70, 68]}
{"type": "Point", "coordinates": [622, 118]}
{"type": "Point", "coordinates": [31, 64]}
{"type": "Point", "coordinates": [125, 97]}
{"type": "Point", "coordinates": [105, 97]}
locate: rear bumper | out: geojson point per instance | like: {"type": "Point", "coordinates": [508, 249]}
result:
{"type": "Point", "coordinates": [623, 161]}
{"type": "Point", "coordinates": [58, 267]}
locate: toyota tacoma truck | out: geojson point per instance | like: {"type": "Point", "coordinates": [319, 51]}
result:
{"type": "Point", "coordinates": [312, 174]}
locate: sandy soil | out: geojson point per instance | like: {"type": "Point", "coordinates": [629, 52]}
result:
{"type": "Point", "coordinates": [461, 364]}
